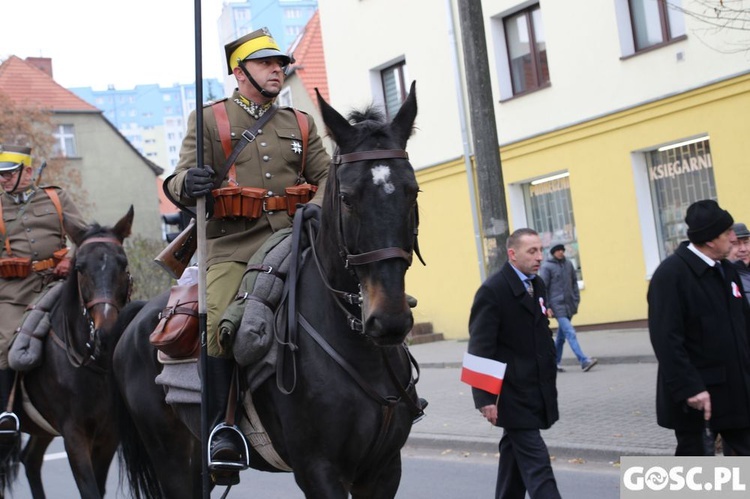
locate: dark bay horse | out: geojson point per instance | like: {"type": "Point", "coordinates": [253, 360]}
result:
{"type": "Point", "coordinates": [72, 388]}
{"type": "Point", "coordinates": [342, 405]}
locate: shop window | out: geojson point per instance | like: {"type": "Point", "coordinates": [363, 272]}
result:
{"type": "Point", "coordinates": [549, 211]}
{"type": "Point", "coordinates": [678, 175]}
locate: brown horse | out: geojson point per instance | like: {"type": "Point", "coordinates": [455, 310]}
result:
{"type": "Point", "coordinates": [72, 388]}
{"type": "Point", "coordinates": [344, 400]}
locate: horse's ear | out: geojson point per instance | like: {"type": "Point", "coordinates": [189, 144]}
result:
{"type": "Point", "coordinates": [403, 123]}
{"type": "Point", "coordinates": [123, 227]}
{"type": "Point", "coordinates": [337, 126]}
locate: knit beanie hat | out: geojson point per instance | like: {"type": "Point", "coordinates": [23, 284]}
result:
{"type": "Point", "coordinates": [556, 248]}
{"type": "Point", "coordinates": [706, 221]}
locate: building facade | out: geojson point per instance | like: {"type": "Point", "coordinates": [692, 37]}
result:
{"type": "Point", "coordinates": [612, 117]}
{"type": "Point", "coordinates": [285, 19]}
{"type": "Point", "coordinates": [151, 117]}
{"type": "Point", "coordinates": [107, 174]}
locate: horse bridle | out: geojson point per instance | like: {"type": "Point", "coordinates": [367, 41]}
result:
{"type": "Point", "coordinates": [378, 254]}
{"type": "Point", "coordinates": [93, 344]}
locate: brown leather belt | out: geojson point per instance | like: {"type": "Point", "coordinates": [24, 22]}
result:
{"type": "Point", "coordinates": [40, 265]}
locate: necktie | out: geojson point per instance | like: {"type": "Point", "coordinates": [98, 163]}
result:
{"type": "Point", "coordinates": [529, 288]}
{"type": "Point", "coordinates": [720, 270]}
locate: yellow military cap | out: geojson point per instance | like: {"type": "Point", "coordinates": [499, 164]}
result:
{"type": "Point", "coordinates": [255, 45]}
{"type": "Point", "coordinates": [13, 157]}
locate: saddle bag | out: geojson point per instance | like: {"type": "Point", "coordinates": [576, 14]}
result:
{"type": "Point", "coordinates": [176, 334]}
{"type": "Point", "coordinates": [15, 267]}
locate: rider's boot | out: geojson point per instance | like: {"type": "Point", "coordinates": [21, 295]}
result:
{"type": "Point", "coordinates": [228, 449]}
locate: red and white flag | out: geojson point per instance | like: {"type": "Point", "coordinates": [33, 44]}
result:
{"type": "Point", "coordinates": [485, 374]}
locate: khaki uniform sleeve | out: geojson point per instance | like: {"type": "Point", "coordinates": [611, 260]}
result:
{"type": "Point", "coordinates": [73, 223]}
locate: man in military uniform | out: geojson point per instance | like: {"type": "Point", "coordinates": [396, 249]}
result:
{"type": "Point", "coordinates": [35, 222]}
{"type": "Point", "coordinates": [273, 161]}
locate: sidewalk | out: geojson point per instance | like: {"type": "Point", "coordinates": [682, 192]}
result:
{"type": "Point", "coordinates": [605, 413]}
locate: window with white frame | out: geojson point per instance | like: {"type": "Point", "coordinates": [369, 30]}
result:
{"type": "Point", "coordinates": [65, 141]}
{"type": "Point", "coordinates": [549, 211]}
{"type": "Point", "coordinates": [393, 79]}
{"type": "Point", "coordinates": [285, 97]}
{"type": "Point", "coordinates": [678, 174]}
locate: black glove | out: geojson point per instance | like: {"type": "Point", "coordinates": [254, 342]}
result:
{"type": "Point", "coordinates": [199, 181]}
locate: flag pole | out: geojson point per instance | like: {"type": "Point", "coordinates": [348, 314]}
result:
{"type": "Point", "coordinates": [200, 217]}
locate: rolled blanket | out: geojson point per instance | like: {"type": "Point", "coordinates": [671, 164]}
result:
{"type": "Point", "coordinates": [254, 335]}
{"type": "Point", "coordinates": [27, 346]}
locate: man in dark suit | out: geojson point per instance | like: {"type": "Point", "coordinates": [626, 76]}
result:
{"type": "Point", "coordinates": [699, 323]}
{"type": "Point", "coordinates": [508, 323]}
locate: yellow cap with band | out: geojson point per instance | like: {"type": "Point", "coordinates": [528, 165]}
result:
{"type": "Point", "coordinates": [13, 157]}
{"type": "Point", "coordinates": [255, 45]}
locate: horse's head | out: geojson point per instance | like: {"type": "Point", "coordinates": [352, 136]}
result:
{"type": "Point", "coordinates": [370, 213]}
{"type": "Point", "coordinates": [100, 274]}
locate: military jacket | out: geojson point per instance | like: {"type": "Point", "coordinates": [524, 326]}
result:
{"type": "Point", "coordinates": [34, 231]}
{"type": "Point", "coordinates": [273, 161]}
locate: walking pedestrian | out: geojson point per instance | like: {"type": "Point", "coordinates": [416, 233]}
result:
{"type": "Point", "coordinates": [699, 325]}
{"type": "Point", "coordinates": [508, 323]}
{"type": "Point", "coordinates": [563, 298]}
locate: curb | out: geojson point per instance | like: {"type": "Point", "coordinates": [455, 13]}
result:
{"type": "Point", "coordinates": [560, 450]}
{"type": "Point", "coordinates": [629, 359]}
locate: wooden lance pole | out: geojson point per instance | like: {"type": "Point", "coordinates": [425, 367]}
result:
{"type": "Point", "coordinates": [200, 219]}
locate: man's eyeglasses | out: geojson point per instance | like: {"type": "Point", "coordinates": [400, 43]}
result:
{"type": "Point", "coordinates": [8, 175]}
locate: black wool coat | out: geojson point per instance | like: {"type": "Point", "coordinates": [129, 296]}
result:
{"type": "Point", "coordinates": [699, 324]}
{"type": "Point", "coordinates": [508, 325]}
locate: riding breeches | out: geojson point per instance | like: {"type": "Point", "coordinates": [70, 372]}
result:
{"type": "Point", "coordinates": [222, 282]}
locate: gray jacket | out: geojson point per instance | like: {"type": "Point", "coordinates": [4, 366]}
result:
{"type": "Point", "coordinates": [562, 286]}
{"type": "Point", "coordinates": [744, 272]}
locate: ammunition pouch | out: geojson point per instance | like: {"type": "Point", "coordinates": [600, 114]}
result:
{"type": "Point", "coordinates": [15, 267]}
{"type": "Point", "coordinates": [251, 202]}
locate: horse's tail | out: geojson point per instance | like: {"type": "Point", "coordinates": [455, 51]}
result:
{"type": "Point", "coordinates": [133, 457]}
{"type": "Point", "coordinates": [10, 457]}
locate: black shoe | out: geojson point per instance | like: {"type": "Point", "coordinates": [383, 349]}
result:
{"type": "Point", "coordinates": [9, 425]}
{"type": "Point", "coordinates": [228, 449]}
{"type": "Point", "coordinates": [421, 403]}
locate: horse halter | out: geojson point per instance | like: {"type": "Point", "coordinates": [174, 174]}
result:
{"type": "Point", "coordinates": [378, 254]}
{"type": "Point", "coordinates": [93, 343]}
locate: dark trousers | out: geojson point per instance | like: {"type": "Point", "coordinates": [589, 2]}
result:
{"type": "Point", "coordinates": [691, 443]}
{"type": "Point", "coordinates": [524, 466]}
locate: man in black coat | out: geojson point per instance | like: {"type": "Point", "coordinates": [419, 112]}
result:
{"type": "Point", "coordinates": [699, 323]}
{"type": "Point", "coordinates": [509, 324]}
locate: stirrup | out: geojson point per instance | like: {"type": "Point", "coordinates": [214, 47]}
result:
{"type": "Point", "coordinates": [14, 428]}
{"type": "Point", "coordinates": [229, 465]}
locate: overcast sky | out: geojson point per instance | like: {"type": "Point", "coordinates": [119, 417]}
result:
{"type": "Point", "coordinates": [96, 43]}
